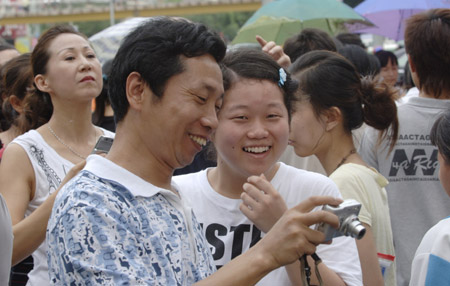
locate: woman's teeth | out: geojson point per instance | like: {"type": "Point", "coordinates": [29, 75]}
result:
{"type": "Point", "coordinates": [256, 149]}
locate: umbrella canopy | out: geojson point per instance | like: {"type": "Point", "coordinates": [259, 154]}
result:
{"type": "Point", "coordinates": [106, 43]}
{"type": "Point", "coordinates": [280, 29]}
{"type": "Point", "coordinates": [389, 16]}
{"type": "Point", "coordinates": [324, 14]}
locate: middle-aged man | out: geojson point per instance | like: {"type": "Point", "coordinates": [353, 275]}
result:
{"type": "Point", "coordinates": [120, 221]}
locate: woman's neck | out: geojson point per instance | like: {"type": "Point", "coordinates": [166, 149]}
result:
{"type": "Point", "coordinates": [341, 151]}
{"type": "Point", "coordinates": [76, 123]}
{"type": "Point", "coordinates": [70, 132]}
{"type": "Point", "coordinates": [228, 181]}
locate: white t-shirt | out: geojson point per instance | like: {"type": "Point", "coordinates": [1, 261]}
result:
{"type": "Point", "coordinates": [230, 233]}
{"type": "Point", "coordinates": [431, 263]}
{"type": "Point", "coordinates": [49, 170]}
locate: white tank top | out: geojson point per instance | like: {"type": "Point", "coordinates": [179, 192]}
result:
{"type": "Point", "coordinates": [49, 169]}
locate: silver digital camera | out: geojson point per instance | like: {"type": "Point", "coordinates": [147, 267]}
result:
{"type": "Point", "coordinates": [349, 224]}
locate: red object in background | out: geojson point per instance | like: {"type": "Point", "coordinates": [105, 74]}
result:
{"type": "Point", "coordinates": [13, 31]}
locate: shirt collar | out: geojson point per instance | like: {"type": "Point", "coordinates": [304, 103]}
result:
{"type": "Point", "coordinates": [104, 168]}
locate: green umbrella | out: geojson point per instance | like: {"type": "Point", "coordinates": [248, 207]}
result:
{"type": "Point", "coordinates": [287, 15]}
{"type": "Point", "coordinates": [279, 29]}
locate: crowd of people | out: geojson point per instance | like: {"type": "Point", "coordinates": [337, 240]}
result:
{"type": "Point", "coordinates": [281, 130]}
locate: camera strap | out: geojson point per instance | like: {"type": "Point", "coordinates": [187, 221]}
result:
{"type": "Point", "coordinates": [305, 270]}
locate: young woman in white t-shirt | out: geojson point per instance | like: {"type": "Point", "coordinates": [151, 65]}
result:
{"type": "Point", "coordinates": [252, 134]}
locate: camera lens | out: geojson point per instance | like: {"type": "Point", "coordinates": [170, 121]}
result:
{"type": "Point", "coordinates": [353, 227]}
{"type": "Point", "coordinates": [356, 229]}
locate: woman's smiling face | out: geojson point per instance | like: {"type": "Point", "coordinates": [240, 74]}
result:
{"type": "Point", "coordinates": [253, 127]}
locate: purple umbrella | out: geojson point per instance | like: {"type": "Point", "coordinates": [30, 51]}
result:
{"type": "Point", "coordinates": [389, 15]}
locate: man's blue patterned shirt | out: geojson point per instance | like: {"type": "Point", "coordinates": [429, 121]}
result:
{"type": "Point", "coordinates": [110, 227]}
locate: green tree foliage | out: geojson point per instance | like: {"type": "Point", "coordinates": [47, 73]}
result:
{"type": "Point", "coordinates": [92, 27]}
{"type": "Point", "coordinates": [226, 24]}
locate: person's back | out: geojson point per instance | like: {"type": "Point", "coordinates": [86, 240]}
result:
{"type": "Point", "coordinates": [416, 198]}
{"type": "Point", "coordinates": [432, 256]}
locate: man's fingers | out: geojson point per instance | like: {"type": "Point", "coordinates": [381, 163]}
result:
{"type": "Point", "coordinates": [315, 201]}
{"type": "Point", "coordinates": [321, 216]}
{"type": "Point", "coordinates": [261, 41]}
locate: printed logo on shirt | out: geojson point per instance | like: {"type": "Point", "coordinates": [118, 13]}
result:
{"type": "Point", "coordinates": [52, 177]}
{"type": "Point", "coordinates": [218, 237]}
{"type": "Point", "coordinates": [420, 165]}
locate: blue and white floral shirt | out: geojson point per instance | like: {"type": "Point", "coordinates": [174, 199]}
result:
{"type": "Point", "coordinates": [110, 227]}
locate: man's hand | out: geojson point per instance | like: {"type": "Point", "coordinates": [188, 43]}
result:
{"type": "Point", "coordinates": [291, 236]}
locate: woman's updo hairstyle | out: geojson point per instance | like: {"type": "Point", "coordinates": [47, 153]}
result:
{"type": "Point", "coordinates": [327, 80]}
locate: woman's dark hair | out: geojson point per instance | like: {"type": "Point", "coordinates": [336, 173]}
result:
{"type": "Point", "coordinates": [39, 103]}
{"type": "Point", "coordinates": [309, 39]}
{"type": "Point", "coordinates": [328, 80]}
{"type": "Point", "coordinates": [101, 101]}
{"type": "Point", "coordinates": [385, 56]}
{"type": "Point", "coordinates": [255, 64]}
{"type": "Point", "coordinates": [351, 39]}
{"type": "Point", "coordinates": [365, 63]}
{"type": "Point", "coordinates": [17, 81]}
{"type": "Point", "coordinates": [440, 135]}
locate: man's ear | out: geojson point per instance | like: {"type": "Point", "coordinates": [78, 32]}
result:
{"type": "Point", "coordinates": [41, 83]}
{"type": "Point", "coordinates": [332, 116]}
{"type": "Point", "coordinates": [135, 88]}
{"type": "Point", "coordinates": [16, 103]}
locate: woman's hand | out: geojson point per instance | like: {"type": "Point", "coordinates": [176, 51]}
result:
{"type": "Point", "coordinates": [261, 203]}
